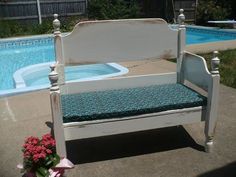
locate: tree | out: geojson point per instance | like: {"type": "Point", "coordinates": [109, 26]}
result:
{"type": "Point", "coordinates": [110, 9]}
{"type": "Point", "coordinates": [212, 10]}
{"type": "Point", "coordinates": [230, 5]}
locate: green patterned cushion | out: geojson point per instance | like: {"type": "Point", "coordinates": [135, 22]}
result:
{"type": "Point", "coordinates": [128, 102]}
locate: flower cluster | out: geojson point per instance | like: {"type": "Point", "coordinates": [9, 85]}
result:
{"type": "Point", "coordinates": [36, 149]}
{"type": "Point", "coordinates": [40, 155]}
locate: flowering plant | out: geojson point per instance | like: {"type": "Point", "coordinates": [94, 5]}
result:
{"type": "Point", "coordinates": [40, 157]}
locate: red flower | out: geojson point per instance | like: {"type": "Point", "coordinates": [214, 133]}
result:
{"type": "Point", "coordinates": [47, 137]}
{"type": "Point", "coordinates": [48, 151]}
{"type": "Point", "coordinates": [35, 151]}
{"type": "Point", "coordinates": [48, 143]}
{"type": "Point", "coordinates": [32, 140]}
{"type": "Point", "coordinates": [36, 157]}
{"type": "Point", "coordinates": [26, 155]}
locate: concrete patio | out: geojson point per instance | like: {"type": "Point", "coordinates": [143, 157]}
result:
{"type": "Point", "coordinates": [168, 152]}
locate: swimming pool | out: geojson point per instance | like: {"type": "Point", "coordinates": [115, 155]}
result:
{"type": "Point", "coordinates": [198, 35]}
{"type": "Point", "coordinates": [35, 75]}
{"type": "Point", "coordinates": [19, 53]}
{"type": "Point", "coordinates": [28, 60]}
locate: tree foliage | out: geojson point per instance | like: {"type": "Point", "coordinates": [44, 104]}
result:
{"type": "Point", "coordinates": [229, 5]}
{"type": "Point", "coordinates": [211, 10]}
{"type": "Point", "coordinates": [110, 9]}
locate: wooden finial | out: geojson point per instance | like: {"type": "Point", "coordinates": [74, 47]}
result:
{"type": "Point", "coordinates": [215, 62]}
{"type": "Point", "coordinates": [53, 77]}
{"type": "Point", "coordinates": [56, 24]}
{"type": "Point", "coordinates": [181, 18]}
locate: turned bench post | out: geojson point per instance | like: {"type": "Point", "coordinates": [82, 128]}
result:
{"type": "Point", "coordinates": [181, 44]}
{"type": "Point", "coordinates": [56, 113]}
{"type": "Point", "coordinates": [58, 49]}
{"type": "Point", "coordinates": [212, 104]}
{"type": "Point", "coordinates": [55, 97]}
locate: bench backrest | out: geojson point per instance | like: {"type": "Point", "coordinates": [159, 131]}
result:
{"type": "Point", "coordinates": [119, 40]}
{"type": "Point", "coordinates": [116, 41]}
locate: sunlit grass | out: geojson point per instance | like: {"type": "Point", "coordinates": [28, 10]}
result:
{"type": "Point", "coordinates": [227, 66]}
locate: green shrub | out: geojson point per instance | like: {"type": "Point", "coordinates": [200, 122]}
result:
{"type": "Point", "coordinates": [109, 9]}
{"type": "Point", "coordinates": [210, 10]}
{"type": "Point", "coordinates": [9, 28]}
{"type": "Point", "coordinates": [69, 23]}
{"type": "Point", "coordinates": [44, 28]}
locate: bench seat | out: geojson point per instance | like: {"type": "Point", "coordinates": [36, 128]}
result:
{"type": "Point", "coordinates": [128, 102]}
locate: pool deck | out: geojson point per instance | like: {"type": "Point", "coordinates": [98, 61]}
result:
{"type": "Point", "coordinates": [168, 152]}
{"type": "Point", "coordinates": [211, 46]}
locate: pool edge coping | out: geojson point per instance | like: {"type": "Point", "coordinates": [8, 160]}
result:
{"type": "Point", "coordinates": [212, 46]}
{"type": "Point", "coordinates": [24, 89]}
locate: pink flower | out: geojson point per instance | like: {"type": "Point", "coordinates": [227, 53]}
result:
{"type": "Point", "coordinates": [42, 155]}
{"type": "Point", "coordinates": [36, 150]}
{"type": "Point", "coordinates": [36, 157]}
{"type": "Point", "coordinates": [32, 140]}
{"type": "Point", "coordinates": [48, 143]}
{"type": "Point", "coordinates": [48, 151]}
{"type": "Point", "coordinates": [26, 155]}
{"type": "Point", "coordinates": [47, 137]}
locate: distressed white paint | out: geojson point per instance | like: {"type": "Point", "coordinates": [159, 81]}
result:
{"type": "Point", "coordinates": [118, 83]}
{"type": "Point", "coordinates": [123, 40]}
{"type": "Point", "coordinates": [132, 124]}
{"type": "Point", "coordinates": [181, 45]}
{"type": "Point", "coordinates": [212, 104]}
{"type": "Point", "coordinates": [177, 111]}
{"type": "Point", "coordinates": [58, 49]}
{"type": "Point", "coordinates": [55, 100]}
{"type": "Point", "coordinates": [194, 69]}
{"type": "Point", "coordinates": [119, 40]}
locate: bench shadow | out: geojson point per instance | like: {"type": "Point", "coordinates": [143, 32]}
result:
{"type": "Point", "coordinates": [228, 171]}
{"type": "Point", "coordinates": [131, 144]}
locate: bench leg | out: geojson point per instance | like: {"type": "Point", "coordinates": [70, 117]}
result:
{"type": "Point", "coordinates": [210, 126]}
{"type": "Point", "coordinates": [61, 147]}
{"type": "Point", "coordinates": [212, 107]}
{"type": "Point", "coordinates": [209, 144]}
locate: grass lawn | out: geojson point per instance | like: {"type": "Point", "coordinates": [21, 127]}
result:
{"type": "Point", "coordinates": [227, 66]}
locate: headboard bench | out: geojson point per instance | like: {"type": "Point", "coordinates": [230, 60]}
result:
{"type": "Point", "coordinates": [134, 103]}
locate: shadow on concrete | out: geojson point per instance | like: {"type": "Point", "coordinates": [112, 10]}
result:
{"type": "Point", "coordinates": [227, 171]}
{"type": "Point", "coordinates": [50, 125]}
{"type": "Point", "coordinates": [131, 144]}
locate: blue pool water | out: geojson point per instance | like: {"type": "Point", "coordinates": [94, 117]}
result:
{"type": "Point", "coordinates": [16, 55]}
{"type": "Point", "coordinates": [199, 35]}
{"type": "Point", "coordinates": [21, 53]}
{"type": "Point", "coordinates": [38, 74]}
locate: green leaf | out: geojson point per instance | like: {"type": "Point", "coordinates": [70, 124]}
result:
{"type": "Point", "coordinates": [47, 158]}
{"type": "Point", "coordinates": [39, 174]}
{"type": "Point", "coordinates": [56, 160]}
{"type": "Point", "coordinates": [42, 172]}
{"type": "Point", "coordinates": [49, 163]}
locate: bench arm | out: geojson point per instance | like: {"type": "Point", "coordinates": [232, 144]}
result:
{"type": "Point", "coordinates": [194, 69]}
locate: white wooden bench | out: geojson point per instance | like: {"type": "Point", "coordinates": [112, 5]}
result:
{"type": "Point", "coordinates": [129, 104]}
